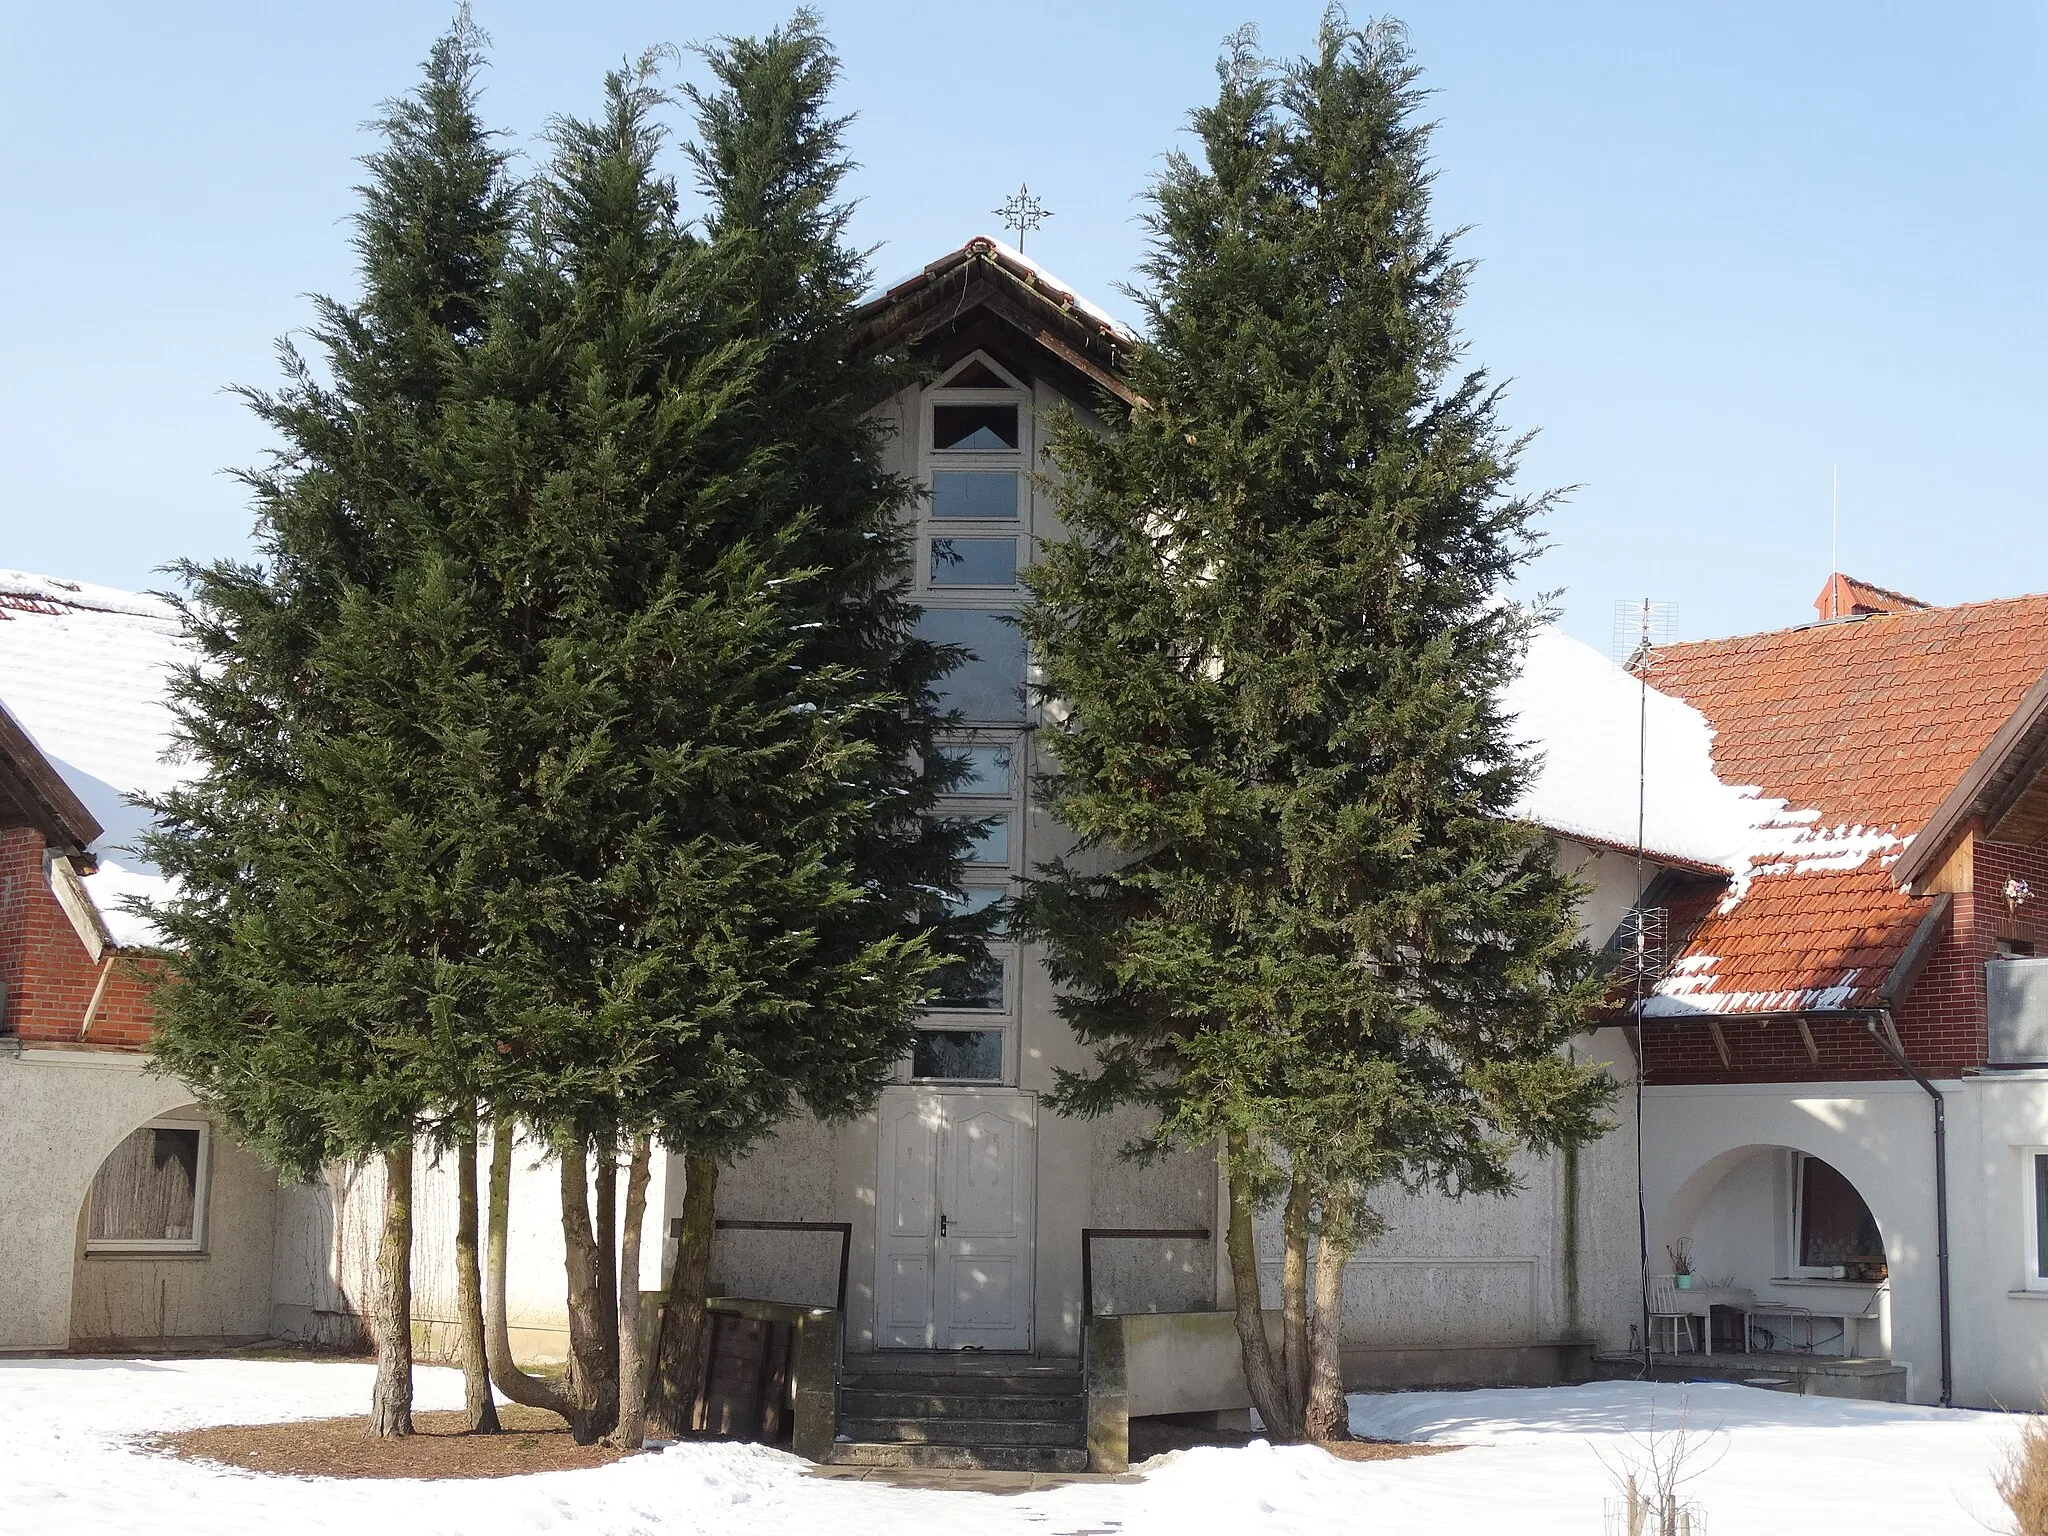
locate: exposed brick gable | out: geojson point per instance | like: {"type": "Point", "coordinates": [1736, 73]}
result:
{"type": "Point", "coordinates": [50, 975]}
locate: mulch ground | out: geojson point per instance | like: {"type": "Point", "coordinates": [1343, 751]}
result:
{"type": "Point", "coordinates": [1168, 1432]}
{"type": "Point", "coordinates": [440, 1446]}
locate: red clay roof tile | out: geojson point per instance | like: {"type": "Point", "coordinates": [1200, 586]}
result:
{"type": "Point", "coordinates": [1869, 722]}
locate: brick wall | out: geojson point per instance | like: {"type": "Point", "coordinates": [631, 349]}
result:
{"type": "Point", "coordinates": [49, 974]}
{"type": "Point", "coordinates": [1940, 1021]}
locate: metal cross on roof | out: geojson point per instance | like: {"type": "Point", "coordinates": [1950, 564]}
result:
{"type": "Point", "coordinates": [1023, 213]}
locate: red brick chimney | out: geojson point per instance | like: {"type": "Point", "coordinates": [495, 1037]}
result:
{"type": "Point", "coordinates": [1844, 597]}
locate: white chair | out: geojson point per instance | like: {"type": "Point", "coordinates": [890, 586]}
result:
{"type": "Point", "coordinates": [1665, 1308]}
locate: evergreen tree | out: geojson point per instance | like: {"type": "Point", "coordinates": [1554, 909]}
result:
{"type": "Point", "coordinates": [307, 924]}
{"type": "Point", "coordinates": [1305, 927]}
{"type": "Point", "coordinates": [669, 713]}
{"type": "Point", "coordinates": [770, 160]}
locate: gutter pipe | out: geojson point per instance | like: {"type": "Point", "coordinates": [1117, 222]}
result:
{"type": "Point", "coordinates": [1884, 1038]}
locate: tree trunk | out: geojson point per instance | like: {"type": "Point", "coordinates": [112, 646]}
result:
{"type": "Point", "coordinates": [1328, 1416]}
{"type": "Point", "coordinates": [527, 1391]}
{"type": "Point", "coordinates": [632, 1362]}
{"type": "Point", "coordinates": [1252, 1343]}
{"type": "Point", "coordinates": [593, 1382]}
{"type": "Point", "coordinates": [1294, 1299]}
{"type": "Point", "coordinates": [391, 1318]}
{"type": "Point", "coordinates": [678, 1350]}
{"type": "Point", "coordinates": [604, 1168]}
{"type": "Point", "coordinates": [469, 1292]}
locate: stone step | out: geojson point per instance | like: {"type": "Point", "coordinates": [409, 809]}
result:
{"type": "Point", "coordinates": [978, 1433]}
{"type": "Point", "coordinates": [960, 1458]}
{"type": "Point", "coordinates": [964, 1383]}
{"type": "Point", "coordinates": [870, 1402]}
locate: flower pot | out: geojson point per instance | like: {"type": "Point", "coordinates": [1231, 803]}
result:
{"type": "Point", "coordinates": [1684, 1282]}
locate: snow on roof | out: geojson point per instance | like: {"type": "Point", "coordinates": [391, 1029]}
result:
{"type": "Point", "coordinates": [1009, 256]}
{"type": "Point", "coordinates": [84, 669]}
{"type": "Point", "coordinates": [1591, 723]}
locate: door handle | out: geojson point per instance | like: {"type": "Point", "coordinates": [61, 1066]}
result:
{"type": "Point", "coordinates": [942, 1223]}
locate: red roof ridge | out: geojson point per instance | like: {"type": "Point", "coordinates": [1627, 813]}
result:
{"type": "Point", "coordinates": [1926, 613]}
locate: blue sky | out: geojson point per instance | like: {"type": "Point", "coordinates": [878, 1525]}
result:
{"type": "Point", "coordinates": [1722, 248]}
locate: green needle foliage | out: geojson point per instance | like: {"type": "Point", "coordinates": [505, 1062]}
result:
{"type": "Point", "coordinates": [1302, 924]}
{"type": "Point", "coordinates": [316, 944]}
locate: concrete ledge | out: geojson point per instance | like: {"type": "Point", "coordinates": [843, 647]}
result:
{"type": "Point", "coordinates": [1546, 1363]}
{"type": "Point", "coordinates": [1108, 1397]}
{"type": "Point", "coordinates": [814, 1364]}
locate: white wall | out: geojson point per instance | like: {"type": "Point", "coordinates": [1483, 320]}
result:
{"type": "Point", "coordinates": [222, 1293]}
{"type": "Point", "coordinates": [1716, 1175]}
{"type": "Point", "coordinates": [326, 1252]}
{"type": "Point", "coordinates": [61, 1113]}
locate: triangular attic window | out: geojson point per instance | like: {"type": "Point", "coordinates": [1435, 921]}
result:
{"type": "Point", "coordinates": [977, 375]}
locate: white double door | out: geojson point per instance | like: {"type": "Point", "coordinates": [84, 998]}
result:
{"type": "Point", "coordinates": [955, 1218]}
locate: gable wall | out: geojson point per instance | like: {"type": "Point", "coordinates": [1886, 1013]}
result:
{"type": "Point", "coordinates": [49, 974]}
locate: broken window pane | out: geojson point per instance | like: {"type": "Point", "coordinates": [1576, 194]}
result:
{"type": "Point", "coordinates": [974, 428]}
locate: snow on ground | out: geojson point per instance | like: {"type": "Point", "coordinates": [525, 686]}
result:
{"type": "Point", "coordinates": [70, 1464]}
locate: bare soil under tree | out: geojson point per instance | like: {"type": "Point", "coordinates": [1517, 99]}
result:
{"type": "Point", "coordinates": [533, 1440]}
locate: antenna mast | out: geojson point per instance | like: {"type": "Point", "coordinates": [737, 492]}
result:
{"type": "Point", "coordinates": [1834, 539]}
{"type": "Point", "coordinates": [1638, 628]}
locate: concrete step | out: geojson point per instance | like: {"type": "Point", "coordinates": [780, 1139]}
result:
{"type": "Point", "coordinates": [960, 1458]}
{"type": "Point", "coordinates": [956, 1383]}
{"type": "Point", "coordinates": [891, 1403]}
{"type": "Point", "coordinates": [979, 1433]}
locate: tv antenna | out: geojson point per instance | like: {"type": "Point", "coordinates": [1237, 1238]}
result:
{"type": "Point", "coordinates": [1023, 213]}
{"type": "Point", "coordinates": [1644, 936]}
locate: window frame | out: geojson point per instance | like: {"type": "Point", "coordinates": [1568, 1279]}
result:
{"type": "Point", "coordinates": [1016, 461]}
{"type": "Point", "coordinates": [1795, 1269]}
{"type": "Point", "coordinates": [202, 1202]}
{"type": "Point", "coordinates": [2032, 1172]}
{"type": "Point", "coordinates": [929, 565]}
{"type": "Point", "coordinates": [962, 1023]}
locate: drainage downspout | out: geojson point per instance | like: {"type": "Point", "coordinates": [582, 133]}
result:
{"type": "Point", "coordinates": [1884, 1038]}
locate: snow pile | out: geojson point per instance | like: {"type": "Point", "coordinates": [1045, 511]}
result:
{"type": "Point", "coordinates": [1533, 1466]}
{"type": "Point", "coordinates": [84, 669]}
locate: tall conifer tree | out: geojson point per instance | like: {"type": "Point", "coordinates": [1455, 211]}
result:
{"type": "Point", "coordinates": [307, 921]}
{"type": "Point", "coordinates": [771, 162]}
{"type": "Point", "coordinates": [1319, 941]}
